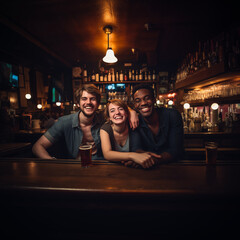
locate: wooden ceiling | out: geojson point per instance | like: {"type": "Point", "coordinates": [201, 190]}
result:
{"type": "Point", "coordinates": [161, 32]}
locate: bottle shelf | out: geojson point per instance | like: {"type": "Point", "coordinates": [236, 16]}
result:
{"type": "Point", "coordinates": [220, 100]}
{"type": "Point", "coordinates": [203, 77]}
{"type": "Point", "coordinates": [117, 82]}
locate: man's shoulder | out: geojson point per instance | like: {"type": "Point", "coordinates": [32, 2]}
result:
{"type": "Point", "coordinates": [69, 119]}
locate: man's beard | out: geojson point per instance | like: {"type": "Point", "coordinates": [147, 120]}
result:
{"type": "Point", "coordinates": [86, 114]}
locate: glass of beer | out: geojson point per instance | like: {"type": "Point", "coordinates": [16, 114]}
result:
{"type": "Point", "coordinates": [211, 152]}
{"type": "Point", "coordinates": [85, 153]}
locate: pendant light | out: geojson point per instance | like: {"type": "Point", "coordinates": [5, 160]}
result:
{"type": "Point", "coordinates": [109, 58]}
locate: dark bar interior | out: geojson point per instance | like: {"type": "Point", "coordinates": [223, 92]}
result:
{"type": "Point", "coordinates": [188, 53]}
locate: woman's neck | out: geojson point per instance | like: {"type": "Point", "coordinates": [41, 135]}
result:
{"type": "Point", "coordinates": [120, 129]}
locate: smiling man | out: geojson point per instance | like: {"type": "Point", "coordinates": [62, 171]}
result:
{"type": "Point", "coordinates": [75, 129]}
{"type": "Point", "coordinates": [161, 129]}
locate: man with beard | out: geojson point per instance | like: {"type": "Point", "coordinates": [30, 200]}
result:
{"type": "Point", "coordinates": [161, 129]}
{"type": "Point", "coordinates": [75, 129]}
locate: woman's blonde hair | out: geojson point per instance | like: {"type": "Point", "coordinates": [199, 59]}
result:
{"type": "Point", "coordinates": [117, 102]}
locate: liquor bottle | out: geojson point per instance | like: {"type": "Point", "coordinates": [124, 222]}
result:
{"type": "Point", "coordinates": [133, 75]}
{"type": "Point", "coordinates": [97, 77]}
{"type": "Point", "coordinates": [113, 76]}
{"type": "Point", "coordinates": [140, 75]}
{"type": "Point", "coordinates": [121, 76]}
{"type": "Point", "coordinates": [196, 61]}
{"type": "Point", "coordinates": [117, 76]}
{"type": "Point", "coordinates": [136, 76]}
{"type": "Point", "coordinates": [93, 77]}
{"type": "Point", "coordinates": [109, 78]}
{"type": "Point", "coordinates": [130, 75]}
{"type": "Point", "coordinates": [204, 57]}
{"type": "Point", "coordinates": [213, 57]}
{"type": "Point", "coordinates": [85, 73]}
{"type": "Point", "coordinates": [208, 54]}
{"type": "Point", "coordinates": [145, 76]}
{"type": "Point", "coordinates": [200, 64]}
{"type": "Point", "coordinates": [101, 77]}
{"type": "Point", "coordinates": [191, 64]}
{"type": "Point", "coordinates": [125, 77]}
{"type": "Point", "coordinates": [149, 76]}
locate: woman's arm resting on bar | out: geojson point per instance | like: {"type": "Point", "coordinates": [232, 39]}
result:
{"type": "Point", "coordinates": [144, 159]}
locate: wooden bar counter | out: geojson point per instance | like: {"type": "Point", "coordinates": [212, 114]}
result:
{"type": "Point", "coordinates": [59, 199]}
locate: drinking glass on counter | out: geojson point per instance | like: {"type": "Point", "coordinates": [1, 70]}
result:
{"type": "Point", "coordinates": [211, 153]}
{"type": "Point", "coordinates": [85, 155]}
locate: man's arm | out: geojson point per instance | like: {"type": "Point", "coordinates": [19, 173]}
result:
{"type": "Point", "coordinates": [133, 119]}
{"type": "Point", "coordinates": [40, 148]}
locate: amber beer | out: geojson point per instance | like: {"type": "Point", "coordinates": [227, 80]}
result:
{"type": "Point", "coordinates": [85, 152]}
{"type": "Point", "coordinates": [211, 153]}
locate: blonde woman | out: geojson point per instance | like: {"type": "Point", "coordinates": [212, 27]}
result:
{"type": "Point", "coordinates": [116, 137]}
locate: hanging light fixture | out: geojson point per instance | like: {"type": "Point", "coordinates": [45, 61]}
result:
{"type": "Point", "coordinates": [109, 58]}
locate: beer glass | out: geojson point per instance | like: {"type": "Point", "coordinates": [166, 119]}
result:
{"type": "Point", "coordinates": [85, 154]}
{"type": "Point", "coordinates": [211, 153]}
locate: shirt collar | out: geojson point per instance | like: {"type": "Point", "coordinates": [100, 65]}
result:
{"type": "Point", "coordinates": [143, 124]}
{"type": "Point", "coordinates": [75, 119]}
{"type": "Point", "coordinates": [96, 120]}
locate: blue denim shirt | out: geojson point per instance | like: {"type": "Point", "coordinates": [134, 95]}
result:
{"type": "Point", "coordinates": [169, 138]}
{"type": "Point", "coordinates": [67, 128]}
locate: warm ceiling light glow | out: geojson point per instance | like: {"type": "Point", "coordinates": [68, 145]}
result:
{"type": "Point", "coordinates": [109, 57]}
{"type": "Point", "coordinates": [214, 106]}
{"type": "Point", "coordinates": [28, 96]}
{"type": "Point", "coordinates": [108, 11]}
{"type": "Point", "coordinates": [58, 104]}
{"type": "Point", "coordinates": [186, 105]}
{"type": "Point", "coordinates": [170, 102]}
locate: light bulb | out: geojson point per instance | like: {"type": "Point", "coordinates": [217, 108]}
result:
{"type": "Point", "coordinates": [39, 106]}
{"type": "Point", "coordinates": [28, 96]}
{"type": "Point", "coordinates": [186, 105]}
{"type": "Point", "coordinates": [110, 58]}
{"type": "Point", "coordinates": [214, 106]}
